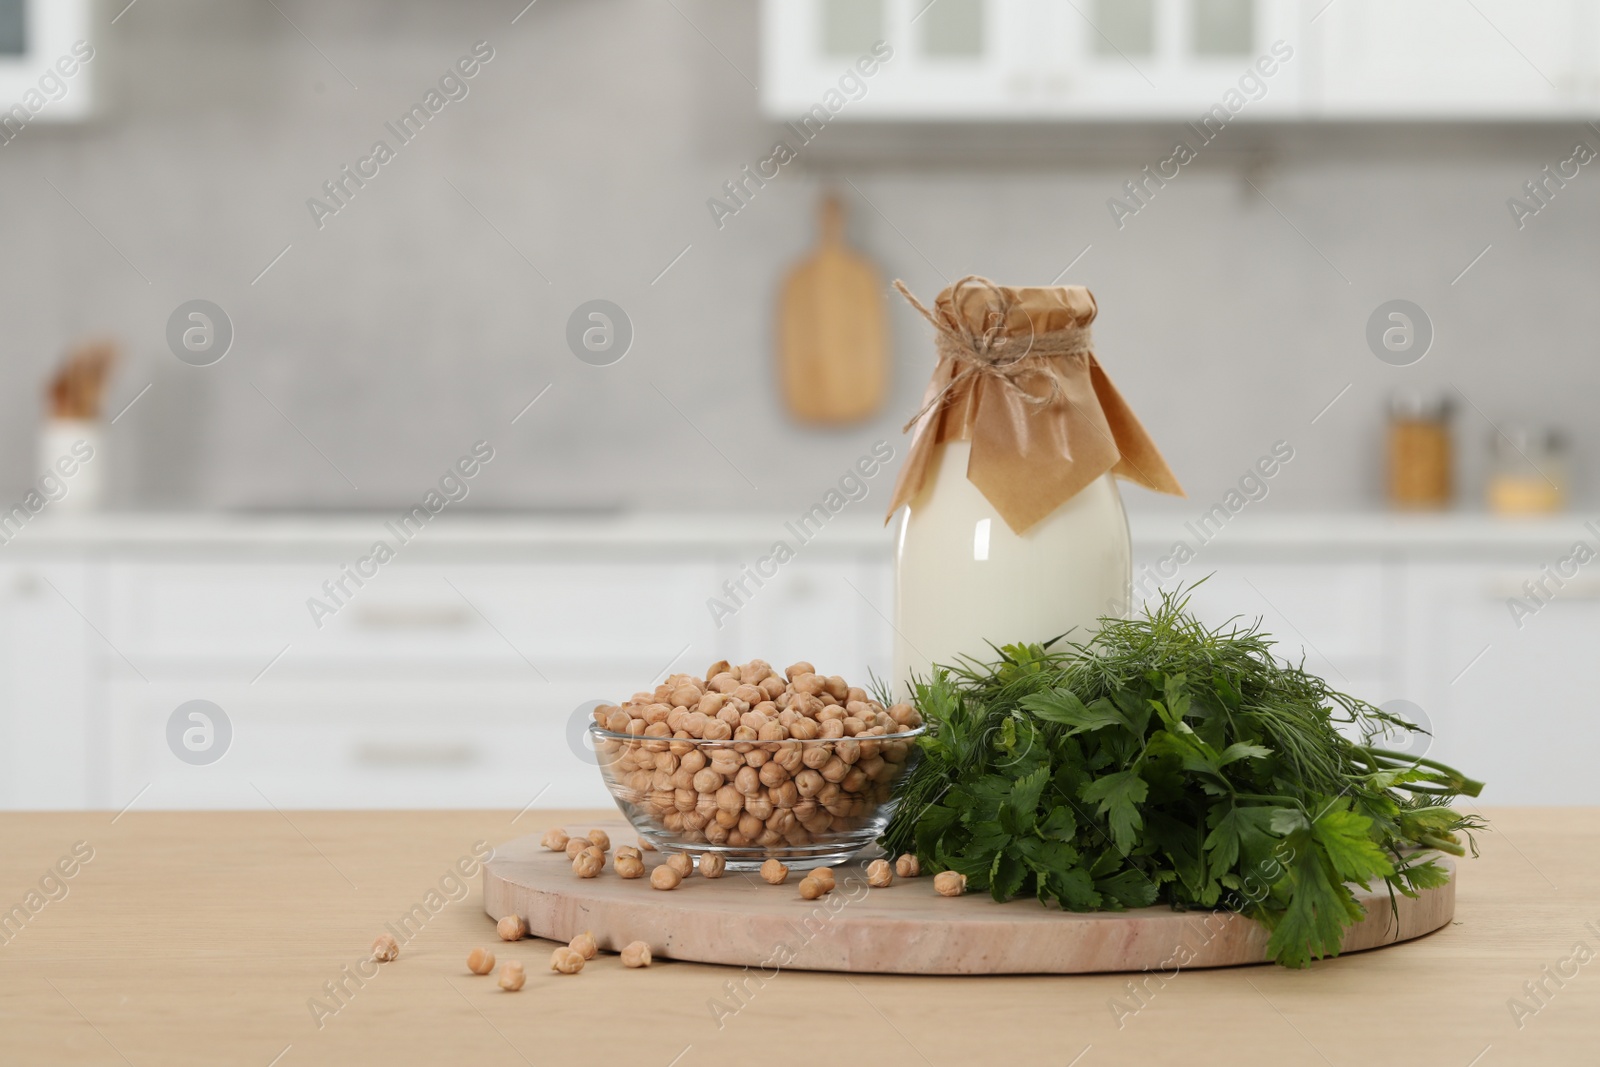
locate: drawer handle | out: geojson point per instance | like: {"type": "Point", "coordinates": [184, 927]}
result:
{"type": "Point", "coordinates": [1509, 586]}
{"type": "Point", "coordinates": [412, 616]}
{"type": "Point", "coordinates": [393, 754]}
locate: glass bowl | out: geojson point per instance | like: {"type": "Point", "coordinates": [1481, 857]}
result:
{"type": "Point", "coordinates": [811, 803]}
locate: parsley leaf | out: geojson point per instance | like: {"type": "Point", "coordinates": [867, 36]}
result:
{"type": "Point", "coordinates": [1119, 796]}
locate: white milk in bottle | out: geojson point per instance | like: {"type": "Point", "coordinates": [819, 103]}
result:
{"type": "Point", "coordinates": [1014, 528]}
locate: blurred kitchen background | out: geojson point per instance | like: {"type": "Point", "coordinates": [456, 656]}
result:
{"type": "Point", "coordinates": [1380, 258]}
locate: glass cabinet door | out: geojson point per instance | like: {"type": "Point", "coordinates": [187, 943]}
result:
{"type": "Point", "coordinates": [1171, 58]}
{"type": "Point", "coordinates": [44, 73]}
{"type": "Point", "coordinates": [945, 58]}
{"type": "Point", "coordinates": [1164, 60]}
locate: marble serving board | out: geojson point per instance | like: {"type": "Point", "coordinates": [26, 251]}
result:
{"type": "Point", "coordinates": [905, 928]}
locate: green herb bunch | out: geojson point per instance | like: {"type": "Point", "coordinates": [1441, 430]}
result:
{"type": "Point", "coordinates": [1165, 761]}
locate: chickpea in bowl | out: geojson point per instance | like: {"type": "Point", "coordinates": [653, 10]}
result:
{"type": "Point", "coordinates": [750, 764]}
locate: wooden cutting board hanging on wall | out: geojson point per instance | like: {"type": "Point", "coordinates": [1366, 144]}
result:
{"type": "Point", "coordinates": [833, 337]}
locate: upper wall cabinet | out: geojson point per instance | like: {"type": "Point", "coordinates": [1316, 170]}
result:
{"type": "Point", "coordinates": [1147, 60]}
{"type": "Point", "coordinates": [1455, 59]}
{"type": "Point", "coordinates": [45, 61]}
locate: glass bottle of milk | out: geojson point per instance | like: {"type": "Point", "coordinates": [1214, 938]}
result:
{"type": "Point", "coordinates": [964, 578]}
{"type": "Point", "coordinates": [1014, 528]}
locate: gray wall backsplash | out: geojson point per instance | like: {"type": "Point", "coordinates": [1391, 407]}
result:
{"type": "Point", "coordinates": [430, 310]}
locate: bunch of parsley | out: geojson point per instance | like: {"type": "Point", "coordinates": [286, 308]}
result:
{"type": "Point", "coordinates": [1165, 761]}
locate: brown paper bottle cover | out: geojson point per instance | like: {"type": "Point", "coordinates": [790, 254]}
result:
{"type": "Point", "coordinates": [1017, 376]}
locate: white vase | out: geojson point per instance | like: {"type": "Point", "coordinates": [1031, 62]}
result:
{"type": "Point", "coordinates": [71, 465]}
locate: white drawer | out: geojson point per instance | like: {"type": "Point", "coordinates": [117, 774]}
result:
{"type": "Point", "coordinates": [552, 619]}
{"type": "Point", "coordinates": [595, 615]}
{"type": "Point", "coordinates": [352, 745]}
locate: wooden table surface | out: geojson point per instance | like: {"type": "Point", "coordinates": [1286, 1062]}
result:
{"type": "Point", "coordinates": [202, 938]}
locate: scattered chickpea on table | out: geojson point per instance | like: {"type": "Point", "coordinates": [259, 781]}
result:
{"type": "Point", "coordinates": [584, 945]}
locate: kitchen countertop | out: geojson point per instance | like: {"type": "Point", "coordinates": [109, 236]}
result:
{"type": "Point", "coordinates": [1250, 532]}
{"type": "Point", "coordinates": [199, 938]}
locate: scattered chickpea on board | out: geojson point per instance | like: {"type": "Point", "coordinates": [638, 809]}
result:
{"type": "Point", "coordinates": [588, 863]}
{"type": "Point", "coordinates": [511, 928]}
{"type": "Point", "coordinates": [774, 872]}
{"type": "Point", "coordinates": [628, 866]}
{"type": "Point", "coordinates": [908, 866]}
{"type": "Point", "coordinates": [823, 875]}
{"type": "Point", "coordinates": [712, 865]}
{"type": "Point", "coordinates": [950, 883]}
{"type": "Point", "coordinates": [879, 874]}
{"type": "Point", "coordinates": [664, 877]}
{"type": "Point", "coordinates": [681, 862]}
{"type": "Point", "coordinates": [636, 954]}
{"type": "Point", "coordinates": [480, 961]}
{"type": "Point", "coordinates": [512, 976]}
{"type": "Point", "coordinates": [555, 839]}
{"type": "Point", "coordinates": [566, 961]}
{"type": "Point", "coordinates": [811, 889]}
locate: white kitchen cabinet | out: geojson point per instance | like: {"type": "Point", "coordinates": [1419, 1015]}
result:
{"type": "Point", "coordinates": [1174, 60]}
{"type": "Point", "coordinates": [956, 59]}
{"type": "Point", "coordinates": [462, 675]}
{"type": "Point", "coordinates": [556, 619]}
{"type": "Point", "coordinates": [46, 63]}
{"type": "Point", "coordinates": [1344, 620]}
{"type": "Point", "coordinates": [452, 683]}
{"type": "Point", "coordinates": [460, 738]}
{"type": "Point", "coordinates": [1451, 59]}
{"type": "Point", "coordinates": [1513, 707]}
{"type": "Point", "coordinates": [1149, 59]}
{"type": "Point", "coordinates": [50, 663]}
{"type": "Point", "coordinates": [628, 618]}
{"type": "Point", "coordinates": [833, 613]}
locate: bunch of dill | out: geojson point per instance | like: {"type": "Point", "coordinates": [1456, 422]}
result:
{"type": "Point", "coordinates": [1166, 761]}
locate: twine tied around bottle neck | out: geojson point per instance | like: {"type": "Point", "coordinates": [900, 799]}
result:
{"type": "Point", "coordinates": [981, 354]}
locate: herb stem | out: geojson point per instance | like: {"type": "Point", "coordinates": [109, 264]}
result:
{"type": "Point", "coordinates": [1467, 785]}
